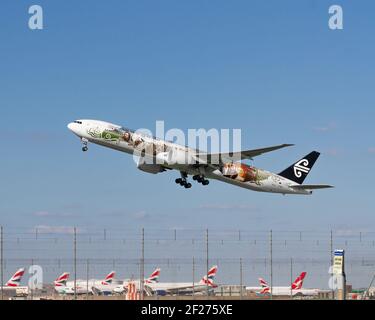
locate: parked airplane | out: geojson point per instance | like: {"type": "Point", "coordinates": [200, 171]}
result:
{"type": "Point", "coordinates": [153, 278]}
{"type": "Point", "coordinates": [170, 288]}
{"type": "Point", "coordinates": [165, 155]}
{"type": "Point", "coordinates": [107, 286]}
{"type": "Point", "coordinates": [294, 289]}
{"type": "Point", "coordinates": [91, 286]}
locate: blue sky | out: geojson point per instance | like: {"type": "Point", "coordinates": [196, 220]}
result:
{"type": "Point", "coordinates": [271, 68]}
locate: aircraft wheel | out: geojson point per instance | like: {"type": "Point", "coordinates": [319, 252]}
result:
{"type": "Point", "coordinates": [205, 182]}
{"type": "Point", "coordinates": [178, 181]}
{"type": "Point", "coordinates": [84, 149]}
{"type": "Point", "coordinates": [188, 185]}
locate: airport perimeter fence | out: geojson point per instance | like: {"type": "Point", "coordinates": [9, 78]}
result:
{"type": "Point", "coordinates": [184, 255]}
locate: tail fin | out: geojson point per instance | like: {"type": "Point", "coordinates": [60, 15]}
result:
{"type": "Point", "coordinates": [154, 277]}
{"type": "Point", "coordinates": [208, 279]}
{"type": "Point", "coordinates": [297, 284]}
{"type": "Point", "coordinates": [108, 279]}
{"type": "Point", "coordinates": [265, 288]}
{"type": "Point", "coordinates": [298, 171]}
{"type": "Point", "coordinates": [263, 283]}
{"type": "Point", "coordinates": [61, 281]}
{"type": "Point", "coordinates": [15, 280]}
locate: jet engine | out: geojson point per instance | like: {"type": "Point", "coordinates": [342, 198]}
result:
{"type": "Point", "coordinates": [149, 167]}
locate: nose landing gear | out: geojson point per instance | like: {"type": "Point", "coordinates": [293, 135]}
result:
{"type": "Point", "coordinates": [84, 144]}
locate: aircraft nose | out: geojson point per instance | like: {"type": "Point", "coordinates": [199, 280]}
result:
{"type": "Point", "coordinates": [71, 126]}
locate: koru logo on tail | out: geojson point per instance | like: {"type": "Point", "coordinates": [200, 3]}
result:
{"type": "Point", "coordinates": [301, 167]}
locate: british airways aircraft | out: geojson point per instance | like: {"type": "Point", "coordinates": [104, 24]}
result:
{"type": "Point", "coordinates": [295, 289]}
{"type": "Point", "coordinates": [156, 156]}
{"type": "Point", "coordinates": [183, 288]}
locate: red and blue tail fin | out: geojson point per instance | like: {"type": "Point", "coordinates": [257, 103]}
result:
{"type": "Point", "coordinates": [15, 280]}
{"type": "Point", "coordinates": [154, 277]}
{"type": "Point", "coordinates": [208, 279]}
{"type": "Point", "coordinates": [265, 288]}
{"type": "Point", "coordinates": [108, 279]}
{"type": "Point", "coordinates": [61, 281]}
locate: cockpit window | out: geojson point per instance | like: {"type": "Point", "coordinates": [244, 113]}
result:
{"type": "Point", "coordinates": [79, 122]}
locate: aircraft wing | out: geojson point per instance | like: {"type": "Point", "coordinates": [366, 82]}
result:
{"type": "Point", "coordinates": [237, 156]}
{"type": "Point", "coordinates": [311, 186]}
{"type": "Point", "coordinates": [184, 289]}
{"type": "Point", "coordinates": [179, 289]}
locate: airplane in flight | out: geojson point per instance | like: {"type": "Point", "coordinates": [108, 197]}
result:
{"type": "Point", "coordinates": [295, 289]}
{"type": "Point", "coordinates": [171, 288]}
{"type": "Point", "coordinates": [156, 156]}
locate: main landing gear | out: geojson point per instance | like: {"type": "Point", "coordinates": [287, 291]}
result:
{"type": "Point", "coordinates": [201, 179]}
{"type": "Point", "coordinates": [182, 181]}
{"type": "Point", "coordinates": [84, 144]}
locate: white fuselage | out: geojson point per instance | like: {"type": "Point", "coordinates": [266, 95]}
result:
{"type": "Point", "coordinates": [84, 286]}
{"type": "Point", "coordinates": [177, 287]}
{"type": "Point", "coordinates": [286, 291]}
{"type": "Point", "coordinates": [110, 135]}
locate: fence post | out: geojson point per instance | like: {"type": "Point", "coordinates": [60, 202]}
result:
{"type": "Point", "coordinates": [75, 262]}
{"type": "Point", "coordinates": [271, 271]}
{"type": "Point", "coordinates": [331, 251]}
{"type": "Point", "coordinates": [142, 278]}
{"type": "Point", "coordinates": [241, 279]}
{"type": "Point", "coordinates": [2, 262]}
{"type": "Point", "coordinates": [207, 266]}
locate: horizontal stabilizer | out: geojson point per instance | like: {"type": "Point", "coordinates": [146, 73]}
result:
{"type": "Point", "coordinates": [311, 186]}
